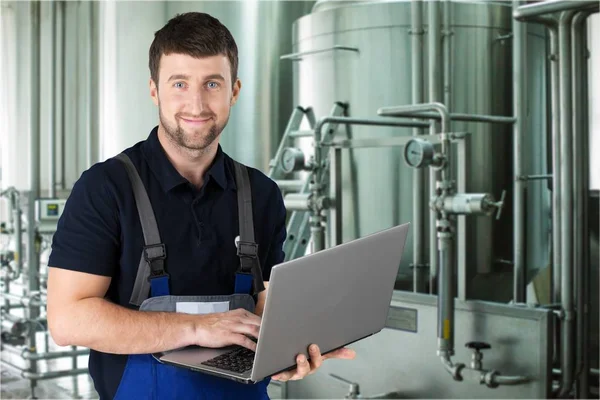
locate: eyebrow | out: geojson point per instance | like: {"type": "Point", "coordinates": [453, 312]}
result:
{"type": "Point", "coordinates": [214, 76]}
{"type": "Point", "coordinates": [178, 76]}
{"type": "Point", "coordinates": [187, 77]}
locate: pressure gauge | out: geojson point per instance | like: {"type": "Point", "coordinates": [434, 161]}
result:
{"type": "Point", "coordinates": [419, 153]}
{"type": "Point", "coordinates": [292, 160]}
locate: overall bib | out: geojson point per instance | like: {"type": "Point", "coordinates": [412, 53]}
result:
{"type": "Point", "coordinates": [145, 377]}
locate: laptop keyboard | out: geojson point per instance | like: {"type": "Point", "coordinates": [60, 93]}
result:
{"type": "Point", "coordinates": [238, 360]}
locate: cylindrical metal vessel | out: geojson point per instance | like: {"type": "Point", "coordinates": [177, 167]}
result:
{"type": "Point", "coordinates": [377, 182]}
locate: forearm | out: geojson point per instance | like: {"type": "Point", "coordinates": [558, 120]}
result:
{"type": "Point", "coordinates": [103, 326]}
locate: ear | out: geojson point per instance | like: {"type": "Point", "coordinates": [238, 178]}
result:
{"type": "Point", "coordinates": [237, 86]}
{"type": "Point", "coordinates": [154, 92]}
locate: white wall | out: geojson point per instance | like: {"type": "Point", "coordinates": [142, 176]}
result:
{"type": "Point", "coordinates": [127, 113]}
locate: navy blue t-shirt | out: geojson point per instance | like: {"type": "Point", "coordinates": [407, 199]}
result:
{"type": "Point", "coordinates": [100, 232]}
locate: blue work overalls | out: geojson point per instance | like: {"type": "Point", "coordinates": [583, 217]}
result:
{"type": "Point", "coordinates": [145, 377]}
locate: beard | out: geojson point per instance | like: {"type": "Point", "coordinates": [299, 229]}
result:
{"type": "Point", "coordinates": [184, 140]}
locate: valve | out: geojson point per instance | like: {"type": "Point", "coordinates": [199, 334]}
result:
{"type": "Point", "coordinates": [498, 204]}
{"type": "Point", "coordinates": [477, 356]}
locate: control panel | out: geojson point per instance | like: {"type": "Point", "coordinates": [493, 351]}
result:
{"type": "Point", "coordinates": [47, 213]}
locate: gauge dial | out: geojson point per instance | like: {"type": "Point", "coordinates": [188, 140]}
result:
{"type": "Point", "coordinates": [418, 153]}
{"type": "Point", "coordinates": [292, 160]}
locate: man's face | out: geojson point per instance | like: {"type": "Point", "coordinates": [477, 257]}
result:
{"type": "Point", "coordinates": [194, 97]}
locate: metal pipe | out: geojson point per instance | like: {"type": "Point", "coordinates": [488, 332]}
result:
{"type": "Point", "coordinates": [26, 301]}
{"type": "Point", "coordinates": [416, 110]}
{"type": "Point", "coordinates": [6, 308]}
{"type": "Point", "coordinates": [63, 69]}
{"type": "Point", "coordinates": [370, 122]}
{"type": "Point", "coordinates": [546, 7]}
{"type": "Point", "coordinates": [446, 36]}
{"type": "Point", "coordinates": [52, 113]}
{"type": "Point", "coordinates": [26, 354]}
{"type": "Point", "coordinates": [33, 260]}
{"type": "Point", "coordinates": [556, 167]}
{"type": "Point", "coordinates": [592, 371]}
{"type": "Point", "coordinates": [577, 186]}
{"type": "Point", "coordinates": [88, 87]}
{"type": "Point", "coordinates": [445, 293]}
{"type": "Point", "coordinates": [301, 134]}
{"type": "Point", "coordinates": [508, 380]}
{"type": "Point", "coordinates": [584, 380]}
{"type": "Point", "coordinates": [519, 111]}
{"type": "Point", "coordinates": [434, 54]}
{"type": "Point", "coordinates": [30, 355]}
{"type": "Point", "coordinates": [297, 201]}
{"type": "Point", "coordinates": [35, 376]}
{"type": "Point", "coordinates": [418, 173]}
{"type": "Point", "coordinates": [433, 76]}
{"type": "Point", "coordinates": [534, 177]}
{"type": "Point", "coordinates": [494, 119]}
{"type": "Point", "coordinates": [581, 244]}
{"type": "Point", "coordinates": [17, 216]}
{"type": "Point", "coordinates": [290, 185]}
{"type": "Point", "coordinates": [566, 193]}
{"type": "Point", "coordinates": [316, 219]}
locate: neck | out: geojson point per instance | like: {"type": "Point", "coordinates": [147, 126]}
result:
{"type": "Point", "coordinates": [191, 164]}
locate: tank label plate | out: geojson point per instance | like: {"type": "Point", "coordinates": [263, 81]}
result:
{"type": "Point", "coordinates": [404, 319]}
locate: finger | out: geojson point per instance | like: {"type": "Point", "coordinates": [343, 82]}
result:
{"type": "Point", "coordinates": [243, 341]}
{"type": "Point", "coordinates": [344, 353]}
{"type": "Point", "coordinates": [315, 358]}
{"type": "Point", "coordinates": [284, 376]}
{"type": "Point", "coordinates": [247, 317]}
{"type": "Point", "coordinates": [246, 329]}
{"type": "Point", "coordinates": [303, 367]}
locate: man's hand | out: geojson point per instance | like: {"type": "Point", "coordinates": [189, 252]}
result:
{"type": "Point", "coordinates": [305, 367]}
{"type": "Point", "coordinates": [228, 328]}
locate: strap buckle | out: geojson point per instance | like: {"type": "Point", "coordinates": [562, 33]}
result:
{"type": "Point", "coordinates": [155, 252]}
{"type": "Point", "coordinates": [154, 255]}
{"type": "Point", "coordinates": [247, 249]}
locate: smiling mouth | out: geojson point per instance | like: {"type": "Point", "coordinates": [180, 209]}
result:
{"type": "Point", "coordinates": [196, 121]}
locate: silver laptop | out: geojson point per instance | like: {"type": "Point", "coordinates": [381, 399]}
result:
{"type": "Point", "coordinates": [331, 298]}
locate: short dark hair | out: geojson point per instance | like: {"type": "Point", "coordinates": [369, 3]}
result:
{"type": "Point", "coordinates": [195, 34]}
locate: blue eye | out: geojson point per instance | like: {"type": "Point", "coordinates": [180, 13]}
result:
{"type": "Point", "coordinates": [214, 85]}
{"type": "Point", "coordinates": [179, 83]}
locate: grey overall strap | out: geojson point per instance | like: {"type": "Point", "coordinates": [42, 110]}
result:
{"type": "Point", "coordinates": [247, 247]}
{"type": "Point", "coordinates": [154, 251]}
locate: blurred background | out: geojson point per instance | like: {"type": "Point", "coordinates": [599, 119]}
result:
{"type": "Point", "coordinates": [355, 96]}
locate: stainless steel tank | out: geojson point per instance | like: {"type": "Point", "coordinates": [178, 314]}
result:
{"type": "Point", "coordinates": [480, 82]}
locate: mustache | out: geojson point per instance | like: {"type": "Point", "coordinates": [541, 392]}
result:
{"type": "Point", "coordinates": [194, 117]}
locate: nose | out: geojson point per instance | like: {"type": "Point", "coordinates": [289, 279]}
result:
{"type": "Point", "coordinates": [197, 103]}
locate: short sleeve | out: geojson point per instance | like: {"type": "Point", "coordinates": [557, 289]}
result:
{"type": "Point", "coordinates": [87, 238]}
{"type": "Point", "coordinates": [275, 254]}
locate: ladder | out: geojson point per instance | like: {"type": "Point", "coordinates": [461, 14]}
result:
{"type": "Point", "coordinates": [288, 160]}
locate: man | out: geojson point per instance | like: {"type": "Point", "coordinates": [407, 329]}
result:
{"type": "Point", "coordinates": [191, 186]}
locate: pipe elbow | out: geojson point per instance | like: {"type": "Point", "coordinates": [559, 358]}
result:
{"type": "Point", "coordinates": [493, 379]}
{"type": "Point", "coordinates": [453, 369]}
